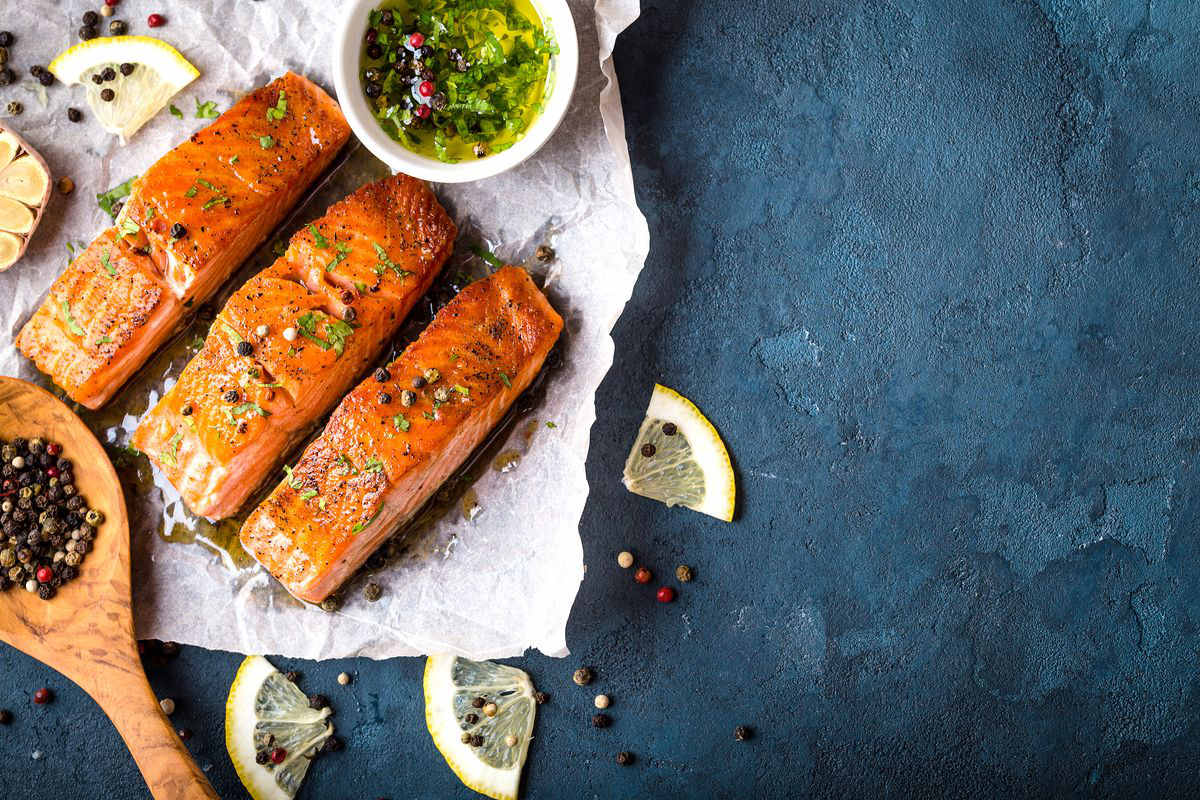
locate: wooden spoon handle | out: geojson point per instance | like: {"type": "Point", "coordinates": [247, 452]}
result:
{"type": "Point", "coordinates": [123, 692]}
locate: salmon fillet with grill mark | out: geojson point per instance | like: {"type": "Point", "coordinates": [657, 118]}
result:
{"type": "Point", "coordinates": [376, 462]}
{"type": "Point", "coordinates": [127, 293]}
{"type": "Point", "coordinates": [344, 286]}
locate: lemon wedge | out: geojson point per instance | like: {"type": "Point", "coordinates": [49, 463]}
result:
{"type": "Point", "coordinates": [480, 716]}
{"type": "Point", "coordinates": [159, 73]}
{"type": "Point", "coordinates": [679, 458]}
{"type": "Point", "coordinates": [267, 713]}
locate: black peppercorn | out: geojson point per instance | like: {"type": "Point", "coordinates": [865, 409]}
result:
{"type": "Point", "coordinates": [186, 411]}
{"type": "Point", "coordinates": [96, 79]}
{"type": "Point", "coordinates": [372, 592]}
{"type": "Point", "coordinates": [6, 39]}
{"type": "Point", "coordinates": [244, 348]}
{"type": "Point", "coordinates": [107, 95]}
{"type": "Point", "coordinates": [541, 698]}
{"type": "Point", "coordinates": [418, 382]}
{"type": "Point", "coordinates": [262, 757]}
{"type": "Point", "coordinates": [624, 758]}
{"type": "Point", "coordinates": [6, 716]}
{"type": "Point", "coordinates": [178, 231]}
{"type": "Point", "coordinates": [6, 76]}
{"type": "Point", "coordinates": [231, 396]}
{"type": "Point", "coordinates": [373, 89]}
{"type": "Point", "coordinates": [477, 741]}
{"type": "Point", "coordinates": [87, 33]}
{"type": "Point", "coordinates": [318, 701]}
{"type": "Point", "coordinates": [109, 74]}
{"type": "Point", "coordinates": [601, 721]}
{"type": "Point", "coordinates": [371, 36]}
{"type": "Point", "coordinates": [349, 314]}
{"type": "Point", "coordinates": [648, 450]}
{"type": "Point", "coordinates": [471, 719]}
{"type": "Point", "coordinates": [382, 375]}
{"type": "Point", "coordinates": [384, 398]}
{"type": "Point", "coordinates": [478, 702]}
{"type": "Point", "coordinates": [74, 114]}
{"type": "Point", "coordinates": [742, 733]}
{"type": "Point", "coordinates": [291, 675]}
{"type": "Point", "coordinates": [670, 429]}
{"type": "Point", "coordinates": [127, 68]}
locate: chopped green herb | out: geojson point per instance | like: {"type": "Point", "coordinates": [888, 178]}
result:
{"type": "Point", "coordinates": [320, 240]}
{"type": "Point", "coordinates": [343, 251]}
{"type": "Point", "coordinates": [191, 192]}
{"type": "Point", "coordinates": [336, 331]}
{"type": "Point", "coordinates": [373, 465]}
{"type": "Point", "coordinates": [453, 356]}
{"type": "Point", "coordinates": [127, 228]}
{"type": "Point", "coordinates": [550, 424]}
{"type": "Point", "coordinates": [427, 415]}
{"type": "Point", "coordinates": [387, 263]}
{"type": "Point", "coordinates": [72, 325]}
{"type": "Point", "coordinates": [207, 110]}
{"type": "Point", "coordinates": [168, 455]}
{"type": "Point", "coordinates": [266, 142]}
{"type": "Point", "coordinates": [362, 287]}
{"type": "Point", "coordinates": [292, 480]}
{"type": "Point", "coordinates": [279, 110]}
{"type": "Point", "coordinates": [216, 201]}
{"type": "Point", "coordinates": [360, 525]}
{"type": "Point", "coordinates": [234, 160]}
{"type": "Point", "coordinates": [346, 464]}
{"type": "Point", "coordinates": [488, 256]}
{"type": "Point", "coordinates": [104, 340]}
{"type": "Point", "coordinates": [175, 112]}
{"type": "Point", "coordinates": [279, 247]}
{"type": "Point", "coordinates": [255, 407]}
{"type": "Point", "coordinates": [108, 200]}
{"type": "Point", "coordinates": [401, 423]}
{"type": "Point", "coordinates": [106, 263]}
{"type": "Point", "coordinates": [504, 377]}
{"type": "Point", "coordinates": [308, 494]}
{"type": "Point", "coordinates": [464, 391]}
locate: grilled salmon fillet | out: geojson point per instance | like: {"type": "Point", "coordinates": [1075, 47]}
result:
{"type": "Point", "coordinates": [187, 224]}
{"type": "Point", "coordinates": [292, 341]}
{"type": "Point", "coordinates": [378, 460]}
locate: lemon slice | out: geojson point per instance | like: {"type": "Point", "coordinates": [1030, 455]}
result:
{"type": "Point", "coordinates": [485, 751]}
{"type": "Point", "coordinates": [679, 458]}
{"type": "Point", "coordinates": [159, 73]}
{"type": "Point", "coordinates": [265, 712]}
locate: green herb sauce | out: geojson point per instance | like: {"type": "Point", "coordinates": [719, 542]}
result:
{"type": "Point", "coordinates": [488, 63]}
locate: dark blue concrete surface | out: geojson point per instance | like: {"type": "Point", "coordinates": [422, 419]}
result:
{"type": "Point", "coordinates": [932, 269]}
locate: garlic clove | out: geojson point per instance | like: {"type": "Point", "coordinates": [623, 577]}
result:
{"type": "Point", "coordinates": [25, 179]}
{"type": "Point", "coordinates": [15, 217]}
{"type": "Point", "coordinates": [9, 147]}
{"type": "Point", "coordinates": [10, 249]}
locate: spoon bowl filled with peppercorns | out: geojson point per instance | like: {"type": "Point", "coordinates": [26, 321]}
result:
{"type": "Point", "coordinates": [64, 576]}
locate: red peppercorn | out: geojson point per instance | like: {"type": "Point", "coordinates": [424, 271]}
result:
{"type": "Point", "coordinates": [45, 574]}
{"type": "Point", "coordinates": [417, 39]}
{"type": "Point", "coordinates": [278, 755]}
{"type": "Point", "coordinates": [666, 594]}
{"type": "Point", "coordinates": [43, 696]}
{"type": "Point", "coordinates": [155, 20]}
{"type": "Point", "coordinates": [426, 88]}
{"type": "Point", "coordinates": [421, 111]}
{"type": "Point", "coordinates": [53, 449]}
{"type": "Point", "coordinates": [643, 575]}
{"type": "Point", "coordinates": [111, 2]}
{"type": "Point", "coordinates": [51, 472]}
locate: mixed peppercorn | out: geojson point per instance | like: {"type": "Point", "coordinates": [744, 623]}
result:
{"type": "Point", "coordinates": [47, 527]}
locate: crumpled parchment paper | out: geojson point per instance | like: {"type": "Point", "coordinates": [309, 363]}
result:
{"type": "Point", "coordinates": [497, 569]}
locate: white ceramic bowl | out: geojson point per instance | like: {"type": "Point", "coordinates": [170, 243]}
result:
{"type": "Point", "coordinates": [346, 53]}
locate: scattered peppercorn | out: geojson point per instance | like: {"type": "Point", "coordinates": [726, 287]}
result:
{"type": "Point", "coordinates": [46, 78]}
{"type": "Point", "coordinates": [432, 375]}
{"type": "Point", "coordinates": [289, 334]}
{"type": "Point", "coordinates": [583, 676]}
{"type": "Point", "coordinates": [349, 314]}
{"type": "Point", "coordinates": [244, 348]}
{"type": "Point", "coordinates": [186, 411]}
{"type": "Point", "coordinates": [602, 701]}
{"type": "Point", "coordinates": [156, 20]}
{"type": "Point", "coordinates": [684, 573]}
{"type": "Point", "coordinates": [65, 185]}
{"type": "Point", "coordinates": [127, 68]}
{"type": "Point", "coordinates": [643, 575]}
{"type": "Point", "coordinates": [261, 330]}
{"type": "Point", "coordinates": [382, 375]}
{"type": "Point", "coordinates": [384, 398]}
{"type": "Point", "coordinates": [407, 398]}
{"type": "Point", "coordinates": [511, 740]}
{"type": "Point", "coordinates": [490, 709]}
{"type": "Point", "coordinates": [262, 757]}
{"type": "Point", "coordinates": [90, 18]}
{"type": "Point", "coordinates": [6, 716]}
{"type": "Point", "coordinates": [601, 720]}
{"type": "Point", "coordinates": [167, 705]}
{"type": "Point", "coordinates": [14, 107]}
{"type": "Point", "coordinates": [231, 396]}
{"type": "Point", "coordinates": [88, 32]}
{"type": "Point", "coordinates": [74, 114]}
{"type": "Point", "coordinates": [541, 698]}
{"type": "Point", "coordinates": [331, 603]}
{"type": "Point", "coordinates": [742, 733]}
{"type": "Point", "coordinates": [478, 702]}
{"type": "Point", "coordinates": [418, 382]}
{"type": "Point", "coordinates": [107, 95]}
{"type": "Point", "coordinates": [109, 74]}
{"type": "Point", "coordinates": [372, 592]}
{"type": "Point", "coordinates": [106, 11]}
{"type": "Point", "coordinates": [278, 755]}
{"type": "Point", "coordinates": [3, 56]}
{"type": "Point", "coordinates": [178, 231]}
{"type": "Point", "coordinates": [318, 701]}
{"type": "Point", "coordinates": [118, 27]}
{"type": "Point", "coordinates": [471, 718]}
{"type": "Point", "coordinates": [6, 76]}
{"type": "Point", "coordinates": [6, 39]}
{"type": "Point", "coordinates": [344, 678]}
{"type": "Point", "coordinates": [477, 741]}
{"type": "Point", "coordinates": [43, 696]}
{"type": "Point", "coordinates": [666, 594]}
{"type": "Point", "coordinates": [648, 450]}
{"type": "Point", "coordinates": [291, 676]}
{"type": "Point", "coordinates": [625, 559]}
{"type": "Point", "coordinates": [545, 253]}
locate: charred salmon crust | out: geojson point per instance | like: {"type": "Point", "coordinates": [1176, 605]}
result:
{"type": "Point", "coordinates": [343, 287]}
{"type": "Point", "coordinates": [188, 223]}
{"type": "Point", "coordinates": [376, 462]}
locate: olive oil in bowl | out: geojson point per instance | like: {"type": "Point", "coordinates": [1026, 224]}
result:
{"type": "Point", "coordinates": [457, 79]}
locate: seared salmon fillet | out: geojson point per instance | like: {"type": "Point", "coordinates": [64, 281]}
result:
{"type": "Point", "coordinates": [378, 460]}
{"type": "Point", "coordinates": [187, 224]}
{"type": "Point", "coordinates": [292, 341]}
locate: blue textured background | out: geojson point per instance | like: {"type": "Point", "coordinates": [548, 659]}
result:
{"type": "Point", "coordinates": [931, 268]}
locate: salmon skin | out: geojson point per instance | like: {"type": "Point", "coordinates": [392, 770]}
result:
{"type": "Point", "coordinates": [377, 462]}
{"type": "Point", "coordinates": [187, 224]}
{"type": "Point", "coordinates": [292, 341]}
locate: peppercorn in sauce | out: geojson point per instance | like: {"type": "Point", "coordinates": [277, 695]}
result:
{"type": "Point", "coordinates": [377, 463]}
{"type": "Point", "coordinates": [342, 290]}
{"type": "Point", "coordinates": [188, 223]}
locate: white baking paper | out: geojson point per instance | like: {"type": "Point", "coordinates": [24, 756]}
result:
{"type": "Point", "coordinates": [489, 586]}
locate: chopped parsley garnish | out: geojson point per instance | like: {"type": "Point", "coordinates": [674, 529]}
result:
{"type": "Point", "coordinates": [336, 331]}
{"type": "Point", "coordinates": [216, 201]}
{"type": "Point", "coordinates": [464, 391]}
{"type": "Point", "coordinates": [104, 340]}
{"type": "Point", "coordinates": [550, 424]}
{"type": "Point", "coordinates": [343, 251]}
{"type": "Point", "coordinates": [504, 377]}
{"type": "Point", "coordinates": [168, 455]}
{"type": "Point", "coordinates": [255, 407]}
{"type": "Point", "coordinates": [358, 526]}
{"type": "Point", "coordinates": [320, 240]}
{"type": "Point", "coordinates": [292, 480]}
{"type": "Point", "coordinates": [279, 110]}
{"type": "Point", "coordinates": [427, 415]}
{"type": "Point", "coordinates": [175, 112]}
{"type": "Point", "coordinates": [191, 192]}
{"type": "Point", "coordinates": [373, 465]}
{"type": "Point", "coordinates": [362, 287]}
{"type": "Point", "coordinates": [387, 263]}
{"type": "Point", "coordinates": [401, 422]}
{"type": "Point", "coordinates": [346, 464]}
{"type": "Point", "coordinates": [72, 325]}
{"type": "Point", "coordinates": [108, 200]}
{"type": "Point", "coordinates": [106, 263]}
{"type": "Point", "coordinates": [488, 256]}
{"type": "Point", "coordinates": [266, 142]}
{"type": "Point", "coordinates": [127, 228]}
{"type": "Point", "coordinates": [308, 494]}
{"type": "Point", "coordinates": [207, 110]}
{"type": "Point", "coordinates": [234, 160]}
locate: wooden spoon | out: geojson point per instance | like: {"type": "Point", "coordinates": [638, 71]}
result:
{"type": "Point", "coordinates": [86, 631]}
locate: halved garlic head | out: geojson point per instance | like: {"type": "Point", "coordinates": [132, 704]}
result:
{"type": "Point", "coordinates": [24, 191]}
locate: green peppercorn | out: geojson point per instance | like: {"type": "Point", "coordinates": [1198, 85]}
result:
{"type": "Point", "coordinates": [432, 375]}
